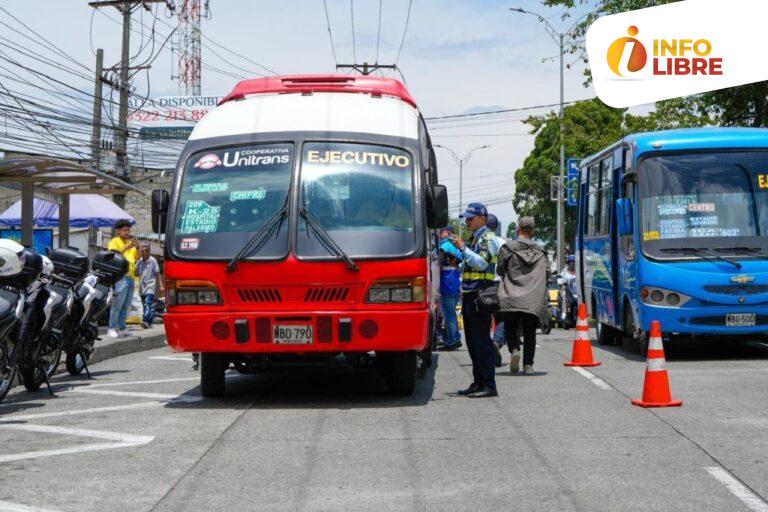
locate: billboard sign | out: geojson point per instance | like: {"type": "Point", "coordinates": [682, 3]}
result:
{"type": "Point", "coordinates": [168, 117]}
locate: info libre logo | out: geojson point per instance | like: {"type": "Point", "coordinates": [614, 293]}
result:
{"type": "Point", "coordinates": [671, 57]}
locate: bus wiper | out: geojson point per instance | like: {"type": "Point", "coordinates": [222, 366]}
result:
{"type": "Point", "coordinates": [702, 252]}
{"type": "Point", "coordinates": [326, 238]}
{"type": "Point", "coordinates": [753, 250]}
{"type": "Point", "coordinates": [260, 236]}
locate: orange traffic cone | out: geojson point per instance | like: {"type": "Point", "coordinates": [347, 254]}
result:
{"type": "Point", "coordinates": [656, 387]}
{"type": "Point", "coordinates": [582, 348]}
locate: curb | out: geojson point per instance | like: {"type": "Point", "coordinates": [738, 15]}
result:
{"type": "Point", "coordinates": [125, 346]}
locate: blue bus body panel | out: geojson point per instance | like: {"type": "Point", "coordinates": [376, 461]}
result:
{"type": "Point", "coordinates": [612, 280]}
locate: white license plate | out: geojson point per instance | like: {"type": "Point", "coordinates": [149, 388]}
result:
{"type": "Point", "coordinates": [292, 334]}
{"type": "Point", "coordinates": [740, 319]}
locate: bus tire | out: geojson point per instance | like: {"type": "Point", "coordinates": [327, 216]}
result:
{"type": "Point", "coordinates": [401, 377]}
{"type": "Point", "coordinates": [629, 338]}
{"type": "Point", "coordinates": [605, 334]}
{"type": "Point", "coordinates": [212, 368]}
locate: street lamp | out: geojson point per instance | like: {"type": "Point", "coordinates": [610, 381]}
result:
{"type": "Point", "coordinates": [558, 38]}
{"type": "Point", "coordinates": [460, 162]}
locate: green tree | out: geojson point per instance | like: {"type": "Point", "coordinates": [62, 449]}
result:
{"type": "Point", "coordinates": [512, 230]}
{"type": "Point", "coordinates": [746, 105]}
{"type": "Point", "coordinates": [588, 127]}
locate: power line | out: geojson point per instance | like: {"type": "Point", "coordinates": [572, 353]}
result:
{"type": "Point", "coordinates": [378, 36]}
{"type": "Point", "coordinates": [502, 111]}
{"type": "Point", "coordinates": [330, 34]}
{"type": "Point", "coordinates": [405, 31]}
{"type": "Point", "coordinates": [352, 16]}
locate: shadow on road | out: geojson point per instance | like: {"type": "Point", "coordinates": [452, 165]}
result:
{"type": "Point", "coordinates": [717, 350]}
{"type": "Point", "coordinates": [313, 388]}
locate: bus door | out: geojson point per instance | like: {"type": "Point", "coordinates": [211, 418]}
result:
{"type": "Point", "coordinates": [627, 281]}
{"type": "Point", "coordinates": [599, 248]}
{"type": "Point", "coordinates": [614, 171]}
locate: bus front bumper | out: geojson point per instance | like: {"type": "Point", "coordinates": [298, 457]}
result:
{"type": "Point", "coordinates": [710, 320]}
{"type": "Point", "coordinates": [359, 331]}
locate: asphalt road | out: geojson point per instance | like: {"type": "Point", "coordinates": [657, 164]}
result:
{"type": "Point", "coordinates": [140, 437]}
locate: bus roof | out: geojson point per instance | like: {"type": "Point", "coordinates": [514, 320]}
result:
{"type": "Point", "coordinates": [689, 139]}
{"type": "Point", "coordinates": [698, 138]}
{"type": "Point", "coordinates": [306, 84]}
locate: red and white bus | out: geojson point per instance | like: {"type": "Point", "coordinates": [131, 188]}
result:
{"type": "Point", "coordinates": [300, 230]}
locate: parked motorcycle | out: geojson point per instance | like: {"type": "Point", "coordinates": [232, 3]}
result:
{"type": "Point", "coordinates": [63, 270]}
{"type": "Point", "coordinates": [158, 310]}
{"type": "Point", "coordinates": [19, 268]}
{"type": "Point", "coordinates": [93, 297]}
{"type": "Point", "coordinates": [567, 302]}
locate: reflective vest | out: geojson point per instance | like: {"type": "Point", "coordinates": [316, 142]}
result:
{"type": "Point", "coordinates": [473, 279]}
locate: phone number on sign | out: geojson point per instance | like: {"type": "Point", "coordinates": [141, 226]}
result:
{"type": "Point", "coordinates": [149, 116]}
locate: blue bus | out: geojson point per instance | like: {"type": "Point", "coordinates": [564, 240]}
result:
{"type": "Point", "coordinates": [673, 226]}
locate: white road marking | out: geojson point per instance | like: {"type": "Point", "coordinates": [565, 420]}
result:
{"type": "Point", "coordinates": [7, 506]}
{"type": "Point", "coordinates": [136, 382]}
{"type": "Point", "coordinates": [120, 440]}
{"type": "Point", "coordinates": [750, 499]}
{"type": "Point", "coordinates": [76, 412]}
{"type": "Point", "coordinates": [592, 378]}
{"type": "Point", "coordinates": [173, 358]}
{"type": "Point", "coordinates": [134, 394]}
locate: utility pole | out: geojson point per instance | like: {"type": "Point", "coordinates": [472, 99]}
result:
{"type": "Point", "coordinates": [97, 94]}
{"type": "Point", "coordinates": [125, 7]}
{"type": "Point", "coordinates": [559, 39]}
{"type": "Point", "coordinates": [561, 181]}
{"type": "Point", "coordinates": [460, 162]}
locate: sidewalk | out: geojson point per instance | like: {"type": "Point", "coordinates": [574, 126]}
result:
{"type": "Point", "coordinates": [140, 339]}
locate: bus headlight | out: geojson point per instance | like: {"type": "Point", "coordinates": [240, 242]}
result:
{"type": "Point", "coordinates": [191, 292]}
{"type": "Point", "coordinates": [397, 290]}
{"type": "Point", "coordinates": [662, 298]}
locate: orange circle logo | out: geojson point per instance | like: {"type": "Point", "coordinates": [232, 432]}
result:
{"type": "Point", "coordinates": [638, 56]}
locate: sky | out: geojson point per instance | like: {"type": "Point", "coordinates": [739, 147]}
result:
{"type": "Point", "coordinates": [457, 57]}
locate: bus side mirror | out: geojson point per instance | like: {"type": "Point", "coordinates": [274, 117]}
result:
{"type": "Point", "coordinates": [160, 201]}
{"type": "Point", "coordinates": [624, 216]}
{"type": "Point", "coordinates": [437, 207]}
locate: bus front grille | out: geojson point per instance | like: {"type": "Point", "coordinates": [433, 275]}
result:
{"type": "Point", "coordinates": [735, 289]}
{"type": "Point", "coordinates": [326, 294]}
{"type": "Point", "coordinates": [259, 295]}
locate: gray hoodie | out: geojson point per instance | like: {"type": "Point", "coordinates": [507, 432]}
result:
{"type": "Point", "coordinates": [523, 265]}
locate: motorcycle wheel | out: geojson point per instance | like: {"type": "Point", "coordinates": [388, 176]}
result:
{"type": "Point", "coordinates": [6, 376]}
{"type": "Point", "coordinates": [75, 363]}
{"type": "Point", "coordinates": [32, 378]}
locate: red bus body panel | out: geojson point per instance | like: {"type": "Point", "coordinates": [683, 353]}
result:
{"type": "Point", "coordinates": [291, 291]}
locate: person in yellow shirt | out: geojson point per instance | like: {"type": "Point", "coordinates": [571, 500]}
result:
{"type": "Point", "coordinates": [125, 244]}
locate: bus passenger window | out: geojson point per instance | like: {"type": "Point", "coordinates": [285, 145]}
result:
{"type": "Point", "coordinates": [628, 241]}
{"type": "Point", "coordinates": [606, 197]}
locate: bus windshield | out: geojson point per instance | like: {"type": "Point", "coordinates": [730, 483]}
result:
{"type": "Point", "coordinates": [362, 195]}
{"type": "Point", "coordinates": [708, 201]}
{"type": "Point", "coordinates": [227, 195]}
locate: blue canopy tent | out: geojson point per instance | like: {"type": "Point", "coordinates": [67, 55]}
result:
{"type": "Point", "coordinates": [87, 210]}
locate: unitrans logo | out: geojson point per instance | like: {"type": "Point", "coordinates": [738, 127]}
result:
{"type": "Point", "coordinates": [671, 57]}
{"type": "Point", "coordinates": [638, 56]}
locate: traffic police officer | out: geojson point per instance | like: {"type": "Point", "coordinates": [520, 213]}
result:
{"type": "Point", "coordinates": [479, 271]}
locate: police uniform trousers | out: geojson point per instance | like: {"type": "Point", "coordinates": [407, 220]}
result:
{"type": "Point", "coordinates": [477, 332]}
